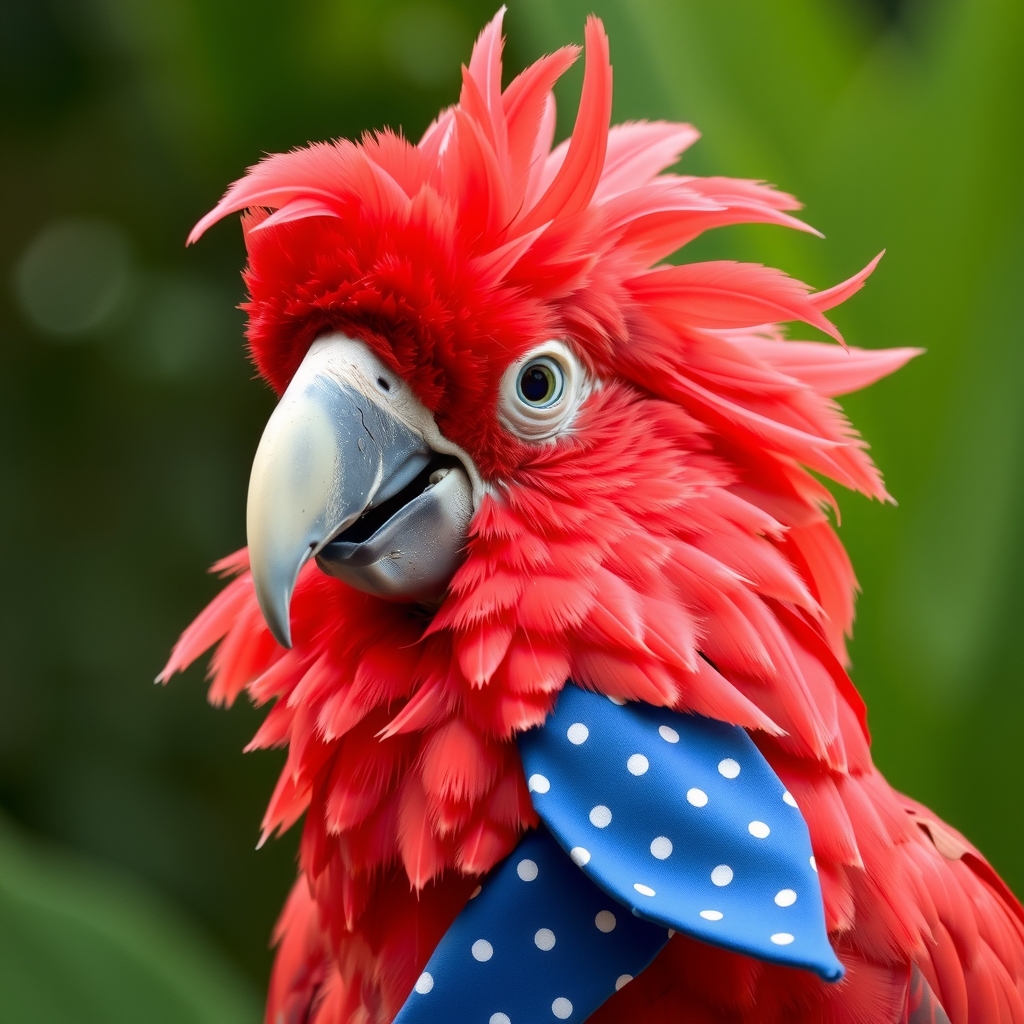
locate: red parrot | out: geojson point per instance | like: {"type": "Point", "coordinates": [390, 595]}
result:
{"type": "Point", "coordinates": [515, 448]}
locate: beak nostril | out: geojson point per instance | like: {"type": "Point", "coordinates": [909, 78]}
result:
{"type": "Point", "coordinates": [385, 385]}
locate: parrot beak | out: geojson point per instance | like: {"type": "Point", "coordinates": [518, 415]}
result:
{"type": "Point", "coordinates": [352, 469]}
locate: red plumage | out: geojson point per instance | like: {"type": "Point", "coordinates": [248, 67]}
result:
{"type": "Point", "coordinates": [673, 549]}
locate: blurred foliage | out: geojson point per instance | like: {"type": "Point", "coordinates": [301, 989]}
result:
{"type": "Point", "coordinates": [79, 944]}
{"type": "Point", "coordinates": [128, 416]}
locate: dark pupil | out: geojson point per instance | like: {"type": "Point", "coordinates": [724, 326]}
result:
{"type": "Point", "coordinates": [536, 384]}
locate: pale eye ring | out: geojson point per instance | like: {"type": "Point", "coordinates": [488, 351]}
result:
{"type": "Point", "coordinates": [541, 391]}
{"type": "Point", "coordinates": [541, 382]}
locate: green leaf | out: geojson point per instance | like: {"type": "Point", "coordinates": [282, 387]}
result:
{"type": "Point", "coordinates": [79, 945]}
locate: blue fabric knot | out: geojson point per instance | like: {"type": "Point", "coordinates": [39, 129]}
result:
{"type": "Point", "coordinates": [653, 821]}
{"type": "Point", "coordinates": [682, 819]}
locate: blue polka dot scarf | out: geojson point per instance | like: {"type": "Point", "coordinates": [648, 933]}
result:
{"type": "Point", "coordinates": [653, 822]}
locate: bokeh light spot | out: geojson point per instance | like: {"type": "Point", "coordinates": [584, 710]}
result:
{"type": "Point", "coordinates": [426, 42]}
{"type": "Point", "coordinates": [74, 277]}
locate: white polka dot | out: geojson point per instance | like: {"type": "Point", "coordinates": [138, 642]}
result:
{"type": "Point", "coordinates": [759, 830]}
{"type": "Point", "coordinates": [622, 980]}
{"type": "Point", "coordinates": [644, 890]}
{"type": "Point", "coordinates": [538, 784]}
{"type": "Point", "coordinates": [637, 764]}
{"type": "Point", "coordinates": [668, 734]}
{"type": "Point", "coordinates": [697, 797]}
{"type": "Point", "coordinates": [712, 915]}
{"type": "Point", "coordinates": [782, 938]}
{"type": "Point", "coordinates": [812, 862]}
{"type": "Point", "coordinates": [785, 898]}
{"type": "Point", "coordinates": [424, 983]}
{"type": "Point", "coordinates": [605, 921]}
{"type": "Point", "coordinates": [476, 892]}
{"type": "Point", "coordinates": [577, 733]}
{"type": "Point", "coordinates": [482, 950]}
{"type": "Point", "coordinates": [562, 1008]}
{"type": "Point", "coordinates": [544, 939]}
{"type": "Point", "coordinates": [788, 798]}
{"type": "Point", "coordinates": [617, 701]}
{"type": "Point", "coordinates": [526, 869]}
{"type": "Point", "coordinates": [729, 768]}
{"type": "Point", "coordinates": [661, 847]}
{"type": "Point", "coordinates": [580, 856]}
{"type": "Point", "coordinates": [499, 1018]}
{"type": "Point", "coordinates": [722, 875]}
{"type": "Point", "coordinates": [600, 816]}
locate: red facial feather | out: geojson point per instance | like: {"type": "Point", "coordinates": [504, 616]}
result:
{"type": "Point", "coordinates": [672, 548]}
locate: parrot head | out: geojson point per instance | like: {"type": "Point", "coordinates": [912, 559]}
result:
{"type": "Point", "coordinates": [514, 447]}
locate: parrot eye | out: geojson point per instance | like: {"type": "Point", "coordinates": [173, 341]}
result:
{"type": "Point", "coordinates": [541, 382]}
{"type": "Point", "coordinates": [541, 391]}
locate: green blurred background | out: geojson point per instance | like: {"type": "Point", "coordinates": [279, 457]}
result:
{"type": "Point", "coordinates": [129, 884]}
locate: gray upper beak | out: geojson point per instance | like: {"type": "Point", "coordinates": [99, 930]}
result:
{"type": "Point", "coordinates": [346, 437]}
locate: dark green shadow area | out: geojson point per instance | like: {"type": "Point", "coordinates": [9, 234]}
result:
{"type": "Point", "coordinates": [82, 945]}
